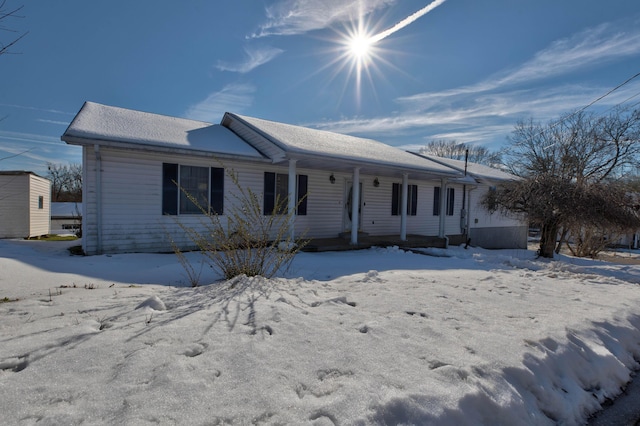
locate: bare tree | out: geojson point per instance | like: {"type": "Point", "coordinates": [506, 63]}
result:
{"type": "Point", "coordinates": [66, 182]}
{"type": "Point", "coordinates": [5, 15]}
{"type": "Point", "coordinates": [572, 178]}
{"type": "Point", "coordinates": [459, 151]}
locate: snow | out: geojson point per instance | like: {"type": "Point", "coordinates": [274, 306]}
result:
{"type": "Point", "coordinates": [66, 209]}
{"type": "Point", "coordinates": [321, 143]}
{"type": "Point", "coordinates": [478, 171]}
{"type": "Point", "coordinates": [378, 336]}
{"type": "Point", "coordinates": [97, 123]}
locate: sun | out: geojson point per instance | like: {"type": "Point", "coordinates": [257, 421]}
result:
{"type": "Point", "coordinates": [360, 46]}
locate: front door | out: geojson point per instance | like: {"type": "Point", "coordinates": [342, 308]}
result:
{"type": "Point", "coordinates": [348, 207]}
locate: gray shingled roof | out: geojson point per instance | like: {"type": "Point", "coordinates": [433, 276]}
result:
{"type": "Point", "coordinates": [477, 171]}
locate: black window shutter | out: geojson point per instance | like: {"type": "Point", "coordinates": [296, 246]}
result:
{"type": "Point", "coordinates": [217, 190]}
{"type": "Point", "coordinates": [414, 200]}
{"type": "Point", "coordinates": [169, 189]}
{"type": "Point", "coordinates": [302, 194]}
{"type": "Point", "coordinates": [269, 193]}
{"type": "Point", "coordinates": [395, 199]}
{"type": "Point", "coordinates": [436, 201]}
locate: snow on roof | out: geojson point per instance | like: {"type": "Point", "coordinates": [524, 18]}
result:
{"type": "Point", "coordinates": [475, 170]}
{"type": "Point", "coordinates": [66, 209]}
{"type": "Point", "coordinates": [98, 122]}
{"type": "Point", "coordinates": [321, 143]}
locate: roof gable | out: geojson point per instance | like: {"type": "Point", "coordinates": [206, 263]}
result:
{"type": "Point", "coordinates": [298, 141]}
{"type": "Point", "coordinates": [96, 123]}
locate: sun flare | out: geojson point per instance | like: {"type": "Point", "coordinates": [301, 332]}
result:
{"type": "Point", "coordinates": [360, 46]}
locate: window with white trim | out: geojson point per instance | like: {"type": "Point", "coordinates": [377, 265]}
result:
{"type": "Point", "coordinates": [188, 189]}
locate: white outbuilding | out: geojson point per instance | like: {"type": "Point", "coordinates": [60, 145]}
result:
{"type": "Point", "coordinates": [25, 204]}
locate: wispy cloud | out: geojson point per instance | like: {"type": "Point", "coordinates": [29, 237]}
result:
{"type": "Point", "coordinates": [233, 98]}
{"type": "Point", "coordinates": [254, 58]}
{"type": "Point", "coordinates": [32, 108]}
{"type": "Point", "coordinates": [32, 152]}
{"type": "Point", "coordinates": [593, 46]}
{"type": "Point", "coordinates": [489, 109]}
{"type": "Point", "coordinates": [289, 17]}
{"type": "Point", "coordinates": [61, 123]}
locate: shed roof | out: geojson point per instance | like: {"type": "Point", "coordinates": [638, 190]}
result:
{"type": "Point", "coordinates": [304, 142]}
{"type": "Point", "coordinates": [66, 209]}
{"type": "Point", "coordinates": [97, 123]}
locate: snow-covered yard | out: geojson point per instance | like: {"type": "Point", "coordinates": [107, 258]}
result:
{"type": "Point", "coordinates": [377, 336]}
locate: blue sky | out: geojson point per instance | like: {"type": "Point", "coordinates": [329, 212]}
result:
{"type": "Point", "coordinates": [466, 70]}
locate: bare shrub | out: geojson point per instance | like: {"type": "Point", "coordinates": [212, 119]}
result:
{"type": "Point", "coordinates": [243, 241]}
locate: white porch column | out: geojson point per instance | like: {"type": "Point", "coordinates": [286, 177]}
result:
{"type": "Point", "coordinates": [293, 200]}
{"type": "Point", "coordinates": [355, 206]}
{"type": "Point", "coordinates": [403, 207]}
{"type": "Point", "coordinates": [443, 206]}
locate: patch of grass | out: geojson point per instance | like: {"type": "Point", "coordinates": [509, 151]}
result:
{"type": "Point", "coordinates": [7, 300]}
{"type": "Point", "coordinates": [54, 237]}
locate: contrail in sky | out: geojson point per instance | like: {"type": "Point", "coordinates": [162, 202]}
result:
{"type": "Point", "coordinates": [406, 21]}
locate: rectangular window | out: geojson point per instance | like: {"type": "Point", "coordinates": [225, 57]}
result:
{"type": "Point", "coordinates": [451, 196]}
{"type": "Point", "coordinates": [40, 202]}
{"type": "Point", "coordinates": [276, 193]}
{"type": "Point", "coordinates": [450, 201]}
{"type": "Point", "coordinates": [194, 193]}
{"type": "Point", "coordinates": [396, 198]}
{"type": "Point", "coordinates": [191, 189]}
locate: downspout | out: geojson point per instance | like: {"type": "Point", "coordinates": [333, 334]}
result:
{"type": "Point", "coordinates": [355, 206]}
{"type": "Point", "coordinates": [292, 199]}
{"type": "Point", "coordinates": [443, 211]}
{"type": "Point", "coordinates": [96, 149]}
{"type": "Point", "coordinates": [403, 207]}
{"type": "Point", "coordinates": [469, 215]}
{"type": "Point", "coordinates": [463, 212]}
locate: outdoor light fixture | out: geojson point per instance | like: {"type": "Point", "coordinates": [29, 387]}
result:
{"type": "Point", "coordinates": [376, 182]}
{"type": "Point", "coordinates": [332, 179]}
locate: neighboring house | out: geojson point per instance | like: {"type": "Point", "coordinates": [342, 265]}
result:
{"type": "Point", "coordinates": [66, 218]}
{"type": "Point", "coordinates": [486, 229]}
{"type": "Point", "coordinates": [25, 202]}
{"type": "Point", "coordinates": [131, 160]}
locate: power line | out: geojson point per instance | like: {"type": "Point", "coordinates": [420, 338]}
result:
{"type": "Point", "coordinates": [557, 123]}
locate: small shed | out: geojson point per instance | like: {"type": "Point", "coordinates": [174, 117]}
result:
{"type": "Point", "coordinates": [66, 218]}
{"type": "Point", "coordinates": [25, 204]}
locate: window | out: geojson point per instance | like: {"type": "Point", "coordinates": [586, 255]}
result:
{"type": "Point", "coordinates": [40, 202]}
{"type": "Point", "coordinates": [450, 201]}
{"type": "Point", "coordinates": [451, 195]}
{"type": "Point", "coordinates": [396, 198]}
{"type": "Point", "coordinates": [186, 189]}
{"type": "Point", "coordinates": [276, 194]}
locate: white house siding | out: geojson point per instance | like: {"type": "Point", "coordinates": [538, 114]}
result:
{"type": "Point", "coordinates": [494, 230]}
{"type": "Point", "coordinates": [132, 199]}
{"type": "Point", "coordinates": [39, 218]}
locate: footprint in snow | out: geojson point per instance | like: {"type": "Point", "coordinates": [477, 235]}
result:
{"type": "Point", "coordinates": [195, 349]}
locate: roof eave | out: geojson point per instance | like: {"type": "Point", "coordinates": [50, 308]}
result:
{"type": "Point", "coordinates": [85, 141]}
